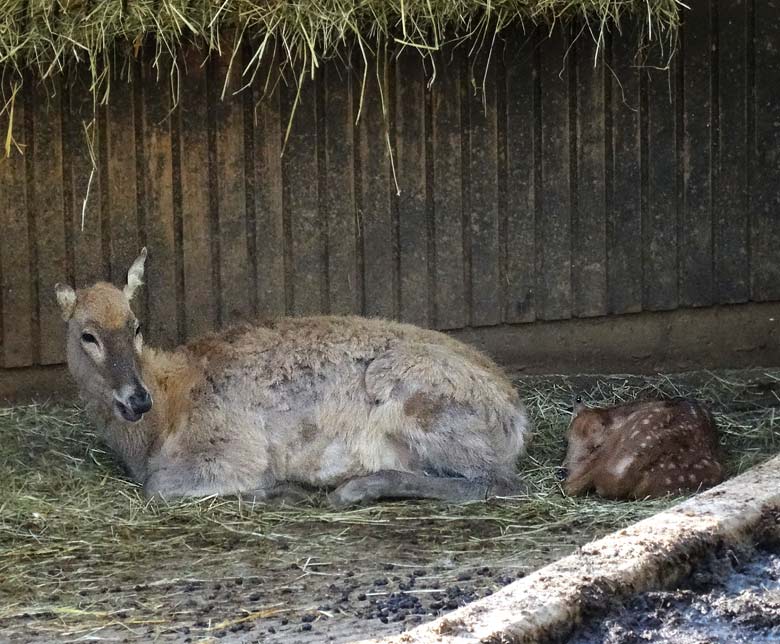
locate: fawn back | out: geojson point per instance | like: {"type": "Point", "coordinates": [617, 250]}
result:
{"type": "Point", "coordinates": [643, 449]}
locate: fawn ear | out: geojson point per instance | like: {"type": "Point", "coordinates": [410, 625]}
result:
{"type": "Point", "coordinates": [66, 298]}
{"type": "Point", "coordinates": [578, 405]}
{"type": "Point", "coordinates": [135, 276]}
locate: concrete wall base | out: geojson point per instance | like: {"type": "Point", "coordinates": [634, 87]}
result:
{"type": "Point", "coordinates": [735, 337]}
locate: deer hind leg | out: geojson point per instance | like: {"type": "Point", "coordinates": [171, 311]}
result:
{"type": "Point", "coordinates": [394, 484]}
{"type": "Point", "coordinates": [283, 493]}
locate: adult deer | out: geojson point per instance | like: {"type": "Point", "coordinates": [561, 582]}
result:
{"type": "Point", "coordinates": [643, 449]}
{"type": "Point", "coordinates": [371, 408]}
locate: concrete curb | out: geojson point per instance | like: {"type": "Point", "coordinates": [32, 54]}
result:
{"type": "Point", "coordinates": [651, 554]}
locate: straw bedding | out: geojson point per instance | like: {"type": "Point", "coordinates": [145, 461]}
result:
{"type": "Point", "coordinates": [82, 554]}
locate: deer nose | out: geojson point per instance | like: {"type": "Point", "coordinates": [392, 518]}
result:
{"type": "Point", "coordinates": [140, 402]}
{"type": "Point", "coordinates": [561, 474]}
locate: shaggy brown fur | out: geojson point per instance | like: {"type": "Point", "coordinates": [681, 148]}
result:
{"type": "Point", "coordinates": [645, 449]}
{"type": "Point", "coordinates": [369, 407]}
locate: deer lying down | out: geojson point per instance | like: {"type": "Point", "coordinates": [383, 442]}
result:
{"type": "Point", "coordinates": [644, 449]}
{"type": "Point", "coordinates": [369, 407]}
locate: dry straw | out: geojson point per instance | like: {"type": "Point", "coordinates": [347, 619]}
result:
{"type": "Point", "coordinates": [70, 524]}
{"type": "Point", "coordinates": [41, 38]}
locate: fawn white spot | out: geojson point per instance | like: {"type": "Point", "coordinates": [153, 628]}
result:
{"type": "Point", "coordinates": [692, 478]}
{"type": "Point", "coordinates": [646, 421]}
{"type": "Point", "coordinates": [681, 478]}
{"type": "Point", "coordinates": [668, 481]}
{"type": "Point", "coordinates": [643, 445]}
{"type": "Point", "coordinates": [622, 465]}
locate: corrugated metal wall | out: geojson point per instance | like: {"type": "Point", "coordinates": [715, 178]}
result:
{"type": "Point", "coordinates": [563, 190]}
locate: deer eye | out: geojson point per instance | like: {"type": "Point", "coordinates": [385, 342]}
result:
{"type": "Point", "coordinates": [89, 338]}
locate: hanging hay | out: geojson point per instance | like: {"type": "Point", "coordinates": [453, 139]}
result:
{"type": "Point", "coordinates": [82, 554]}
{"type": "Point", "coordinates": [40, 39]}
{"type": "Point", "coordinates": [46, 36]}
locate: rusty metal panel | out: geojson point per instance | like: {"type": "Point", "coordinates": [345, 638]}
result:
{"type": "Point", "coordinates": [47, 209]}
{"type": "Point", "coordinates": [83, 182]}
{"type": "Point", "coordinates": [764, 151]}
{"type": "Point", "coordinates": [523, 140]}
{"type": "Point", "coordinates": [338, 180]}
{"type": "Point", "coordinates": [447, 177]}
{"type": "Point", "coordinates": [18, 306]}
{"type": "Point", "coordinates": [695, 242]}
{"type": "Point", "coordinates": [119, 151]}
{"type": "Point", "coordinates": [308, 268]}
{"type": "Point", "coordinates": [731, 227]}
{"type": "Point", "coordinates": [226, 115]}
{"type": "Point", "coordinates": [589, 225]}
{"type": "Point", "coordinates": [377, 221]}
{"type": "Point", "coordinates": [413, 221]}
{"type": "Point", "coordinates": [198, 267]}
{"type": "Point", "coordinates": [481, 132]}
{"type": "Point", "coordinates": [554, 213]}
{"type": "Point", "coordinates": [624, 182]}
{"type": "Point", "coordinates": [162, 292]}
{"type": "Point", "coordinates": [660, 102]}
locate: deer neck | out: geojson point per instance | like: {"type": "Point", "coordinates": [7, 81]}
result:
{"type": "Point", "coordinates": [169, 378]}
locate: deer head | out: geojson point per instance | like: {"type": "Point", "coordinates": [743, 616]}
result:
{"type": "Point", "coordinates": [104, 343]}
{"type": "Point", "coordinates": [587, 432]}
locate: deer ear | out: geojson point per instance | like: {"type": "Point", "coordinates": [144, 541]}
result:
{"type": "Point", "coordinates": [135, 276]}
{"type": "Point", "coordinates": [66, 298]}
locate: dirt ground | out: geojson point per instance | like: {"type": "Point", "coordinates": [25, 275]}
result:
{"type": "Point", "coordinates": [377, 584]}
{"type": "Point", "coordinates": [735, 599]}
{"type": "Point", "coordinates": [83, 557]}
